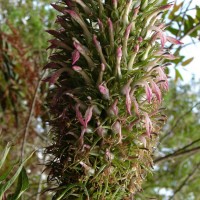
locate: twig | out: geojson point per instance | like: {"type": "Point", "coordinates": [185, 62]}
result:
{"type": "Point", "coordinates": [177, 154]}
{"type": "Point", "coordinates": [191, 31]}
{"type": "Point", "coordinates": [25, 134]}
{"type": "Point", "coordinates": [188, 145]}
{"type": "Point", "coordinates": [188, 33]}
{"type": "Point", "coordinates": [177, 121]}
{"type": "Point", "coordinates": [185, 181]}
{"type": "Point", "coordinates": [183, 17]}
{"type": "Point", "coordinates": [177, 16]}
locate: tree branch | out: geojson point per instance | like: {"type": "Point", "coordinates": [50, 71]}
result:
{"type": "Point", "coordinates": [177, 121]}
{"type": "Point", "coordinates": [188, 145]}
{"type": "Point", "coordinates": [185, 181]}
{"type": "Point", "coordinates": [25, 134]}
{"type": "Point", "coordinates": [177, 153]}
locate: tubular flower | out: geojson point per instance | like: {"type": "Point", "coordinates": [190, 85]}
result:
{"type": "Point", "coordinates": [108, 74]}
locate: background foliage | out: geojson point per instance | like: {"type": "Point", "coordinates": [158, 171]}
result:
{"type": "Point", "coordinates": [23, 113]}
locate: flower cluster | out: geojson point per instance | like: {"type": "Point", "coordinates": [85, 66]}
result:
{"type": "Point", "coordinates": [108, 76]}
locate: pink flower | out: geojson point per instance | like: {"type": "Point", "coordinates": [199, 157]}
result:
{"type": "Point", "coordinates": [148, 92]}
{"type": "Point", "coordinates": [128, 29]}
{"type": "Point", "coordinates": [119, 52]}
{"type": "Point", "coordinates": [136, 106]}
{"type": "Point", "coordinates": [99, 49]}
{"type": "Point", "coordinates": [75, 56]}
{"type": "Point", "coordinates": [140, 39]}
{"type": "Point", "coordinates": [114, 3]}
{"type": "Point", "coordinates": [169, 56]}
{"type": "Point", "coordinates": [173, 40]}
{"type": "Point", "coordinates": [126, 87]}
{"type": "Point", "coordinates": [104, 91]}
{"type": "Point", "coordinates": [116, 127]}
{"type": "Point", "coordinates": [159, 34]}
{"type": "Point", "coordinates": [101, 131]}
{"type": "Point", "coordinates": [111, 33]}
{"type": "Point", "coordinates": [73, 14]}
{"type": "Point", "coordinates": [136, 11]}
{"type": "Point", "coordinates": [113, 110]}
{"type": "Point", "coordinates": [109, 155]}
{"type": "Point", "coordinates": [76, 68]}
{"type": "Point", "coordinates": [88, 115]}
{"type": "Point", "coordinates": [165, 54]}
{"type": "Point", "coordinates": [55, 76]}
{"type": "Point", "coordinates": [89, 171]}
{"type": "Point", "coordinates": [162, 78]}
{"type": "Point", "coordinates": [156, 90]}
{"type": "Point", "coordinates": [165, 7]}
{"type": "Point", "coordinates": [79, 115]}
{"type": "Point", "coordinates": [96, 42]}
{"type": "Point", "coordinates": [136, 48]}
{"type": "Point", "coordinates": [79, 47]}
{"type": "Point", "coordinates": [118, 61]}
{"type": "Point", "coordinates": [100, 24]}
{"type": "Point", "coordinates": [128, 101]}
{"type": "Point", "coordinates": [110, 24]}
{"type": "Point", "coordinates": [103, 67]}
{"type": "Point", "coordinates": [148, 124]}
{"type": "Point", "coordinates": [142, 138]}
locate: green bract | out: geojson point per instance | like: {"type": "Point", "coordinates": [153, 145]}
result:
{"type": "Point", "coordinates": [108, 80]}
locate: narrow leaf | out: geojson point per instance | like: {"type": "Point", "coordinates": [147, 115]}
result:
{"type": "Point", "coordinates": [178, 75]}
{"type": "Point", "coordinates": [7, 185]}
{"type": "Point", "coordinates": [22, 185]}
{"type": "Point", "coordinates": [6, 151]}
{"type": "Point", "coordinates": [188, 61]}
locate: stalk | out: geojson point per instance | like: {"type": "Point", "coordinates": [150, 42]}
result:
{"type": "Point", "coordinates": [105, 107]}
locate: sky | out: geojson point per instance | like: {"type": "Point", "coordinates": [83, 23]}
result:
{"type": "Point", "coordinates": [190, 51]}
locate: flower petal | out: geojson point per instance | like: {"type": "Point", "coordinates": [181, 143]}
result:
{"type": "Point", "coordinates": [148, 92]}
{"type": "Point", "coordinates": [79, 115]}
{"type": "Point", "coordinates": [128, 101]}
{"type": "Point", "coordinates": [75, 56]}
{"type": "Point", "coordinates": [148, 124]}
{"type": "Point", "coordinates": [88, 115]}
{"type": "Point", "coordinates": [173, 40]}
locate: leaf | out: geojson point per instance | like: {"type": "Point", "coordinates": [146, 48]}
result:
{"type": "Point", "coordinates": [178, 75]}
{"type": "Point", "coordinates": [71, 186]}
{"type": "Point", "coordinates": [22, 185]}
{"type": "Point", "coordinates": [177, 7]}
{"type": "Point", "coordinates": [198, 12]}
{"type": "Point", "coordinates": [173, 30]}
{"type": "Point", "coordinates": [191, 20]}
{"type": "Point", "coordinates": [7, 185]}
{"type": "Point", "coordinates": [6, 173]}
{"type": "Point", "coordinates": [6, 151]}
{"type": "Point", "coordinates": [188, 61]}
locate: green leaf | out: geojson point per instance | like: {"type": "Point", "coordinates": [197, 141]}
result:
{"type": "Point", "coordinates": [198, 12]}
{"type": "Point", "coordinates": [178, 75]}
{"type": "Point", "coordinates": [173, 30]}
{"type": "Point", "coordinates": [6, 151]}
{"type": "Point", "coordinates": [188, 61]}
{"type": "Point", "coordinates": [7, 185]}
{"type": "Point", "coordinates": [6, 173]}
{"type": "Point", "coordinates": [177, 7]}
{"type": "Point", "coordinates": [191, 20]}
{"type": "Point", "coordinates": [22, 185]}
{"type": "Point", "coordinates": [69, 188]}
